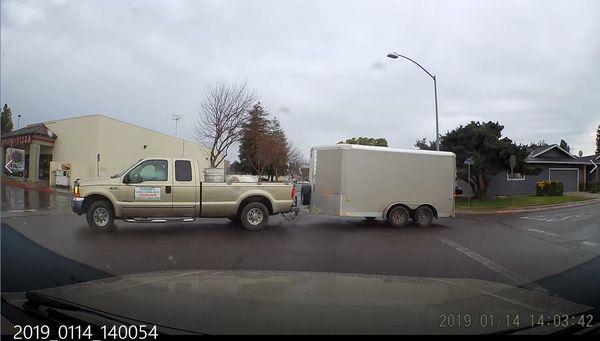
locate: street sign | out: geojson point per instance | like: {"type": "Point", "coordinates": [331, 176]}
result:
{"type": "Point", "coordinates": [512, 163]}
{"type": "Point", "coordinates": [595, 166]}
{"type": "Point", "coordinates": [6, 166]}
{"type": "Point", "coordinates": [469, 161]}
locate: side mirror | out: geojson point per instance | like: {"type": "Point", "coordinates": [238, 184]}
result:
{"type": "Point", "coordinates": [458, 190]}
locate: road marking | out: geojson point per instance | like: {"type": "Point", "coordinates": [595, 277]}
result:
{"type": "Point", "coordinates": [513, 277]}
{"type": "Point", "coordinates": [552, 218]}
{"type": "Point", "coordinates": [590, 244]}
{"type": "Point", "coordinates": [541, 232]}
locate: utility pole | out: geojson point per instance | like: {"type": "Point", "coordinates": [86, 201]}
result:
{"type": "Point", "coordinates": [178, 118]}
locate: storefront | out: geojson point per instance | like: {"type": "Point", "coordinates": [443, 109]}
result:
{"type": "Point", "coordinates": [28, 152]}
{"type": "Point", "coordinates": [88, 146]}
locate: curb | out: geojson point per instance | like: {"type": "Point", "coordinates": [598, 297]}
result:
{"type": "Point", "coordinates": [530, 209]}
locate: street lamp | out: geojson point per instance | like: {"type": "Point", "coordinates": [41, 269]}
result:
{"type": "Point", "coordinates": [437, 126]}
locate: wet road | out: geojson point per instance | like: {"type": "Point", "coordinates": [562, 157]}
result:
{"type": "Point", "coordinates": [555, 252]}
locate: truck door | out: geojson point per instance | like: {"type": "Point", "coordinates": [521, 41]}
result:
{"type": "Point", "coordinates": [147, 191]}
{"type": "Point", "coordinates": [185, 189]}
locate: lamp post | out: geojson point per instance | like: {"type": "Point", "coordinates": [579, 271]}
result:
{"type": "Point", "coordinates": [437, 126]}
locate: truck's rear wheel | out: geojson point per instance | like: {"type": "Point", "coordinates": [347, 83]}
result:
{"type": "Point", "coordinates": [254, 216]}
{"type": "Point", "coordinates": [423, 216]}
{"type": "Point", "coordinates": [398, 216]}
{"type": "Point", "coordinates": [100, 216]}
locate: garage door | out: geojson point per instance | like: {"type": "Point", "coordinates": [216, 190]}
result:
{"type": "Point", "coordinates": [567, 176]}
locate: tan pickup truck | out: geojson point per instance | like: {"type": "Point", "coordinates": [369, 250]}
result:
{"type": "Point", "coordinates": [173, 189]}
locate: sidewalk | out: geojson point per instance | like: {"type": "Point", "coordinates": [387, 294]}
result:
{"type": "Point", "coordinates": [36, 186]}
{"type": "Point", "coordinates": [591, 199]}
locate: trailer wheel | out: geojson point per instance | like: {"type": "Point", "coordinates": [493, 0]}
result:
{"type": "Point", "coordinates": [254, 216]}
{"type": "Point", "coordinates": [398, 216]}
{"type": "Point", "coordinates": [423, 216]}
{"type": "Point", "coordinates": [100, 216]}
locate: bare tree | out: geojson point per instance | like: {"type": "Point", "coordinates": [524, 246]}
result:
{"type": "Point", "coordinates": [222, 115]}
{"type": "Point", "coordinates": [296, 161]}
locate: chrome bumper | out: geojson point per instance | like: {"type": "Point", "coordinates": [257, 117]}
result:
{"type": "Point", "coordinates": [76, 204]}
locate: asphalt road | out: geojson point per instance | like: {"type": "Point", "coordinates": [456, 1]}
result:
{"type": "Point", "coordinates": [555, 252]}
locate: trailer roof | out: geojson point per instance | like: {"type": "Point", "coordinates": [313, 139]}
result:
{"type": "Point", "coordinates": [383, 149]}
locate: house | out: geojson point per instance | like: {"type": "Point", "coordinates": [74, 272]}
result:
{"type": "Point", "coordinates": [556, 164]}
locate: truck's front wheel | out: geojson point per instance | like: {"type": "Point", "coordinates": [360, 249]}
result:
{"type": "Point", "coordinates": [100, 216]}
{"type": "Point", "coordinates": [254, 216]}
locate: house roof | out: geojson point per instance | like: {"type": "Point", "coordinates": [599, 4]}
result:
{"type": "Point", "coordinates": [554, 154]}
{"type": "Point", "coordinates": [542, 150]}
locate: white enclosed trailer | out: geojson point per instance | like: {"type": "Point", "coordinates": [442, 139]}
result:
{"type": "Point", "coordinates": [395, 184]}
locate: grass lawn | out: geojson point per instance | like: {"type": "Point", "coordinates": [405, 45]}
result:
{"type": "Point", "coordinates": [518, 201]}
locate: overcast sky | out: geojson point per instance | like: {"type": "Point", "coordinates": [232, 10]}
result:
{"type": "Point", "coordinates": [319, 66]}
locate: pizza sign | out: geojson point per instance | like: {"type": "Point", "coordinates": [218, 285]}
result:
{"type": "Point", "coordinates": [16, 140]}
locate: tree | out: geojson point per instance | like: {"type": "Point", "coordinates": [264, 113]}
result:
{"type": "Point", "coordinates": [296, 161]}
{"type": "Point", "coordinates": [264, 148]}
{"type": "Point", "coordinates": [255, 142]}
{"type": "Point", "coordinates": [425, 145]}
{"type": "Point", "coordinates": [598, 140]}
{"type": "Point", "coordinates": [221, 118]}
{"type": "Point", "coordinates": [7, 123]}
{"type": "Point", "coordinates": [564, 145]}
{"type": "Point", "coordinates": [540, 143]}
{"type": "Point", "coordinates": [483, 142]}
{"type": "Point", "coordinates": [278, 150]}
{"type": "Point", "coordinates": [366, 141]}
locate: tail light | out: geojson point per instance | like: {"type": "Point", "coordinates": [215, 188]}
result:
{"type": "Point", "coordinates": [294, 192]}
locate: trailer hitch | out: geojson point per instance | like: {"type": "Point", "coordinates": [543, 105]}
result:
{"type": "Point", "coordinates": [292, 215]}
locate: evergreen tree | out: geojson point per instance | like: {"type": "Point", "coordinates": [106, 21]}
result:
{"type": "Point", "coordinates": [7, 123]}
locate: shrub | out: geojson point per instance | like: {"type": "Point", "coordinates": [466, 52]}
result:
{"type": "Point", "coordinates": [552, 188]}
{"type": "Point", "coordinates": [594, 187]}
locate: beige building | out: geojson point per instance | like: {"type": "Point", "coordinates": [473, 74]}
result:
{"type": "Point", "coordinates": [93, 145]}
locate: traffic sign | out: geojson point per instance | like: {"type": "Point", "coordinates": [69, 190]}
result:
{"type": "Point", "coordinates": [512, 163]}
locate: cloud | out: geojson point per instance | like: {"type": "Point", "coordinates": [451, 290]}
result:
{"type": "Point", "coordinates": [21, 13]}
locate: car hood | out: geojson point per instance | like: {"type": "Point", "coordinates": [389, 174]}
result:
{"type": "Point", "coordinates": [98, 182]}
{"type": "Point", "coordinates": [303, 302]}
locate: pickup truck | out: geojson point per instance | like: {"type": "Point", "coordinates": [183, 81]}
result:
{"type": "Point", "coordinates": [156, 190]}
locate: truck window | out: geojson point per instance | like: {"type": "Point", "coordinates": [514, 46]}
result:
{"type": "Point", "coordinates": [183, 170]}
{"type": "Point", "coordinates": [151, 170]}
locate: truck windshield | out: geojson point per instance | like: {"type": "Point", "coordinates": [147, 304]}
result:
{"type": "Point", "coordinates": [125, 169]}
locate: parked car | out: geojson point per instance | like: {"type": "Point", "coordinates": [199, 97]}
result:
{"type": "Point", "coordinates": [171, 189]}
